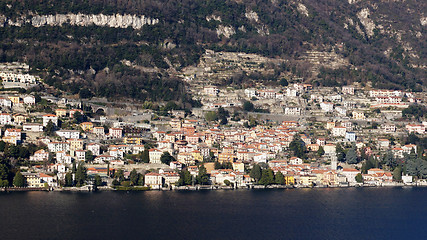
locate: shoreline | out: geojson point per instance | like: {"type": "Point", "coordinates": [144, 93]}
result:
{"type": "Point", "coordinates": [89, 188]}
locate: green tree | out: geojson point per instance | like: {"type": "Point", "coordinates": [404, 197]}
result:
{"type": "Point", "coordinates": [267, 177]}
{"type": "Point", "coordinates": [85, 93]}
{"type": "Point", "coordinates": [227, 182]}
{"type": "Point", "coordinates": [185, 178]}
{"type": "Point", "coordinates": [115, 182]}
{"type": "Point", "coordinates": [223, 115]}
{"type": "Point", "coordinates": [5, 174]}
{"type": "Point", "coordinates": [202, 177]}
{"type": "Point", "coordinates": [321, 151]}
{"type": "Point", "coordinates": [389, 160]}
{"type": "Point", "coordinates": [81, 175]}
{"type": "Point", "coordinates": [211, 156]}
{"type": "Point", "coordinates": [74, 167]}
{"type": "Point", "coordinates": [417, 167]}
{"type": "Point", "coordinates": [2, 146]}
{"type": "Point", "coordinates": [297, 146]}
{"type": "Point", "coordinates": [97, 181]}
{"type": "Point", "coordinates": [145, 156]}
{"type": "Point", "coordinates": [134, 177]}
{"type": "Point", "coordinates": [4, 183]}
{"type": "Point", "coordinates": [284, 82]}
{"type": "Point", "coordinates": [18, 180]}
{"type": "Point", "coordinates": [166, 158]}
{"type": "Point", "coordinates": [397, 173]}
{"type": "Point", "coordinates": [248, 106]}
{"type": "Point", "coordinates": [37, 98]}
{"type": "Point", "coordinates": [340, 153]}
{"type": "Point", "coordinates": [359, 178]}
{"type": "Point", "coordinates": [217, 165]}
{"type": "Point", "coordinates": [211, 116]}
{"type": "Point", "coordinates": [256, 173]}
{"type": "Point", "coordinates": [140, 179]}
{"type": "Point", "coordinates": [50, 129]}
{"type": "Point", "coordinates": [368, 164]}
{"type": "Point", "coordinates": [89, 156]}
{"type": "Point", "coordinates": [227, 165]}
{"type": "Point", "coordinates": [351, 156]}
{"type": "Point", "coordinates": [119, 175]}
{"type": "Point", "coordinates": [78, 117]}
{"type": "Point", "coordinates": [69, 180]}
{"type": "Point", "coordinates": [279, 178]}
{"type": "Point", "coordinates": [125, 183]}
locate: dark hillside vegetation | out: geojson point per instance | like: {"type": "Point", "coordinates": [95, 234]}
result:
{"type": "Point", "coordinates": [116, 62]}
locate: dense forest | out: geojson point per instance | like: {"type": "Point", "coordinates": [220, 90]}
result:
{"type": "Point", "coordinates": [139, 63]}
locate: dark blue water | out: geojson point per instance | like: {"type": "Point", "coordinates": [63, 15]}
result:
{"type": "Point", "coordinates": [368, 213]}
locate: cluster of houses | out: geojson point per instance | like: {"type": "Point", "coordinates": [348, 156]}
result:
{"type": "Point", "coordinates": [17, 77]}
{"type": "Point", "coordinates": [192, 141]}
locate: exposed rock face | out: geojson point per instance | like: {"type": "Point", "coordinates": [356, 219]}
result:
{"type": "Point", "coordinates": [114, 21]}
{"type": "Point", "coordinates": [213, 17]}
{"type": "Point", "coordinates": [251, 15]}
{"type": "Point", "coordinates": [302, 9]}
{"type": "Point", "coordinates": [352, 1]}
{"type": "Point", "coordinates": [226, 31]}
{"type": "Point", "coordinates": [367, 22]}
{"type": "Point", "coordinates": [423, 21]}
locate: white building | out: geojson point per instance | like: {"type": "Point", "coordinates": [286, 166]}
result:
{"type": "Point", "coordinates": [30, 100]}
{"type": "Point", "coordinates": [250, 93]}
{"type": "Point", "coordinates": [103, 158]}
{"type": "Point", "coordinates": [295, 161]}
{"type": "Point", "coordinates": [155, 155]}
{"type": "Point", "coordinates": [4, 102]}
{"type": "Point", "coordinates": [99, 131]}
{"type": "Point", "coordinates": [32, 127]}
{"type": "Point", "coordinates": [68, 134]}
{"type": "Point", "coordinates": [330, 149]}
{"type": "Point", "coordinates": [13, 132]}
{"type": "Point", "coordinates": [291, 92]}
{"type": "Point", "coordinates": [385, 93]}
{"type": "Point", "coordinates": [137, 149]}
{"type": "Point", "coordinates": [40, 156]}
{"type": "Point", "coordinates": [358, 115]}
{"type": "Point", "coordinates": [350, 174]}
{"type": "Point", "coordinates": [58, 146]}
{"type": "Point", "coordinates": [211, 91]}
{"type": "Point", "coordinates": [341, 110]}
{"type": "Point", "coordinates": [63, 158]}
{"type": "Point", "coordinates": [418, 128]}
{"type": "Point", "coordinates": [115, 132]}
{"type": "Point", "coordinates": [117, 153]}
{"type": "Point", "coordinates": [50, 117]}
{"type": "Point", "coordinates": [94, 148]}
{"type": "Point", "coordinates": [260, 158]}
{"type": "Point", "coordinates": [80, 155]}
{"type": "Point", "coordinates": [389, 128]}
{"type": "Point", "coordinates": [350, 136]}
{"type": "Point", "coordinates": [17, 77]}
{"type": "Point", "coordinates": [5, 118]}
{"type": "Point", "coordinates": [339, 131]}
{"type": "Point", "coordinates": [348, 90]}
{"type": "Point", "coordinates": [153, 180]}
{"type": "Point", "coordinates": [293, 111]}
{"type": "Point", "coordinates": [327, 106]}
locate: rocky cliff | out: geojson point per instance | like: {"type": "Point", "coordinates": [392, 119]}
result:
{"type": "Point", "coordinates": [114, 21]}
{"type": "Point", "coordinates": [127, 48]}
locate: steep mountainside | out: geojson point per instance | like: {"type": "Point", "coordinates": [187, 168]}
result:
{"type": "Point", "coordinates": [142, 48]}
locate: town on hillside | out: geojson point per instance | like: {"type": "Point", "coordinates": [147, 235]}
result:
{"type": "Point", "coordinates": [294, 135]}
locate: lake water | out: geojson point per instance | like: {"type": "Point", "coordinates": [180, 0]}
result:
{"type": "Point", "coordinates": [352, 213]}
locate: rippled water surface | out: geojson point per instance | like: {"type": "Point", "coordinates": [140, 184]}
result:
{"type": "Point", "coordinates": [352, 213]}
